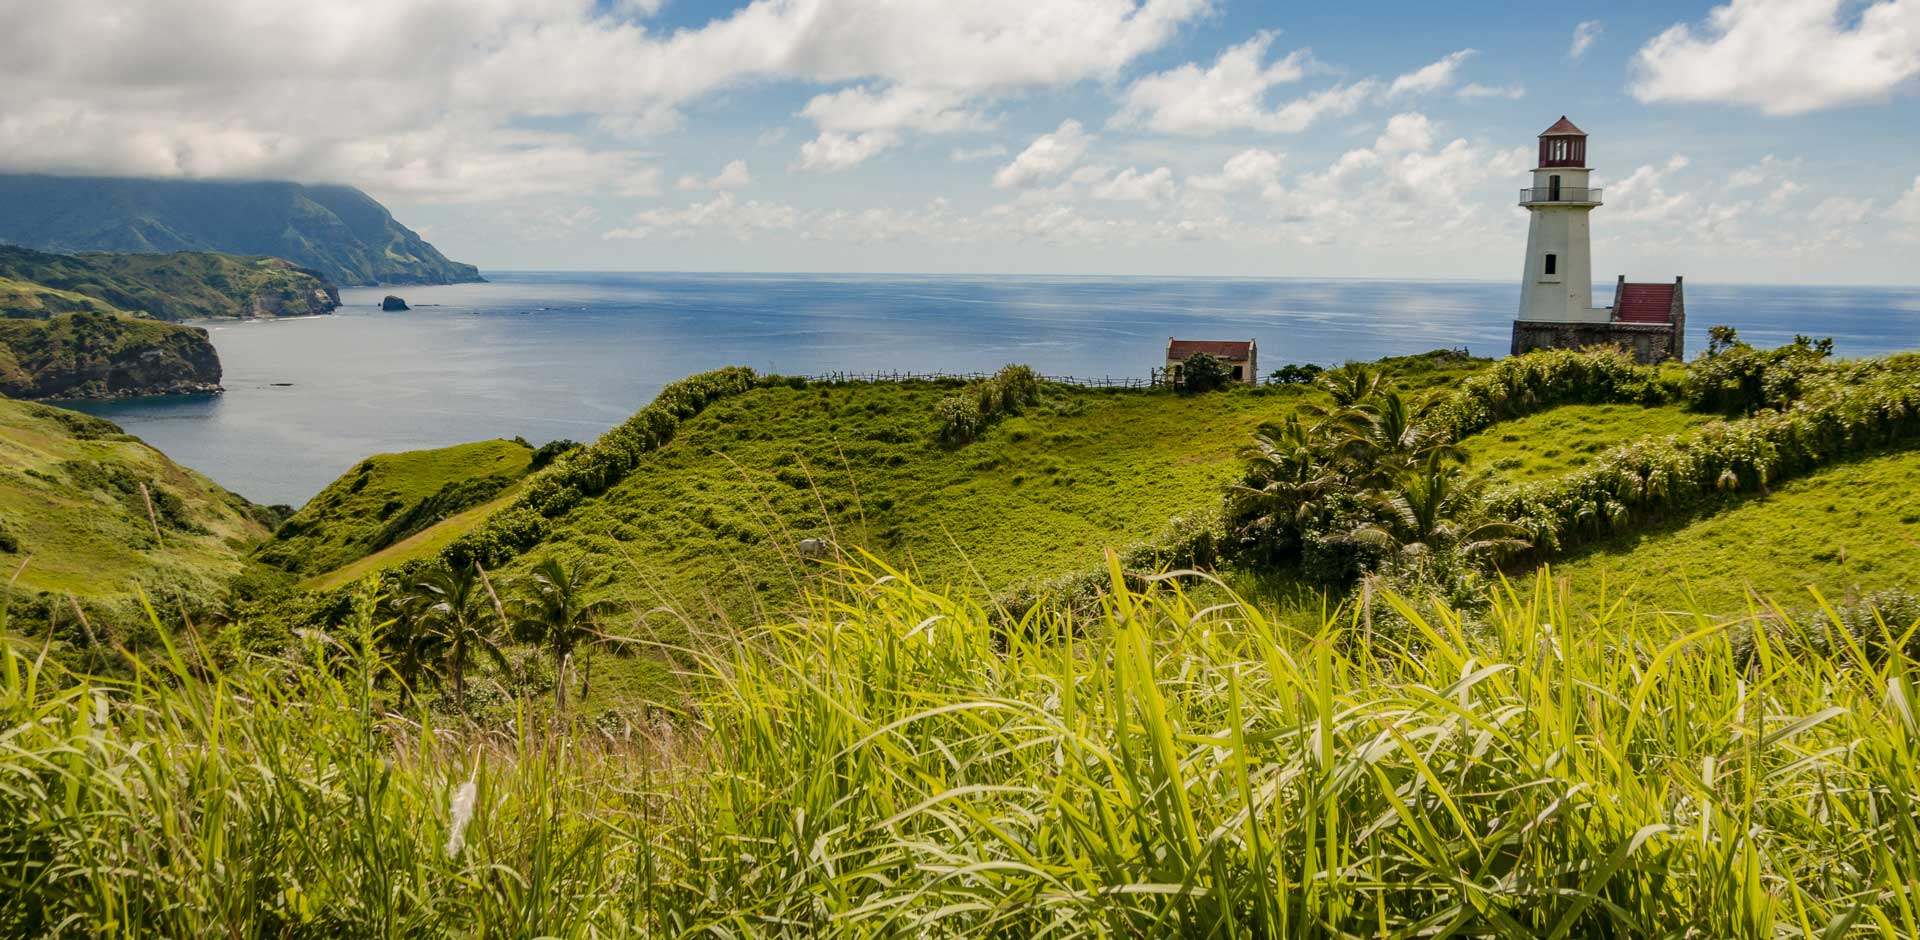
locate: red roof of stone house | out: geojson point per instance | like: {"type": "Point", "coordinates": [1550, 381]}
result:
{"type": "Point", "coordinates": [1563, 128]}
{"type": "Point", "coordinates": [1218, 349]}
{"type": "Point", "coordinates": [1645, 303]}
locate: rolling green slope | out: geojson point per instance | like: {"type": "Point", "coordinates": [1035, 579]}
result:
{"type": "Point", "coordinates": [388, 498]}
{"type": "Point", "coordinates": [1848, 530]}
{"type": "Point", "coordinates": [1553, 442]}
{"type": "Point", "coordinates": [75, 517]}
{"type": "Point", "coordinates": [338, 231]}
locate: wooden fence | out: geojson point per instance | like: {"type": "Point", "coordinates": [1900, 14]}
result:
{"type": "Point", "coordinates": [1108, 381]}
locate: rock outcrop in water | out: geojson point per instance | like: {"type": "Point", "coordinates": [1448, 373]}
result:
{"type": "Point", "coordinates": [104, 355]}
{"type": "Point", "coordinates": [390, 302]}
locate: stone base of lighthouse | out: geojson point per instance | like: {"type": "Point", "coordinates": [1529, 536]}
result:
{"type": "Point", "coordinates": [1649, 342]}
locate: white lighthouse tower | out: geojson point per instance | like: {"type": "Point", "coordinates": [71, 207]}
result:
{"type": "Point", "coordinates": [1557, 286]}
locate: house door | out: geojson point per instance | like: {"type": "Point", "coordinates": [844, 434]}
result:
{"type": "Point", "coordinates": [1238, 374]}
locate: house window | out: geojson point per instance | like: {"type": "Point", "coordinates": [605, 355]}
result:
{"type": "Point", "coordinates": [1553, 264]}
{"type": "Point", "coordinates": [1238, 375]}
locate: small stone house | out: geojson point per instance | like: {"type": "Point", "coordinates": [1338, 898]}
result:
{"type": "Point", "coordinates": [1242, 358]}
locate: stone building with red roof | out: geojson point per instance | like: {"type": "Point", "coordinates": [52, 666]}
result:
{"type": "Point", "coordinates": [1242, 357]}
{"type": "Point", "coordinates": [1556, 288]}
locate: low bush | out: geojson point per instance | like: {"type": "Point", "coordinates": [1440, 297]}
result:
{"type": "Point", "coordinates": [959, 419]}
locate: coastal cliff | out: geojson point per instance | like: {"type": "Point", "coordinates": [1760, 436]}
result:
{"type": "Point", "coordinates": [104, 355]}
{"type": "Point", "coordinates": [339, 232]}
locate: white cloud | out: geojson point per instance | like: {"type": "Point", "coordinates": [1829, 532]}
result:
{"type": "Point", "coordinates": [977, 154]}
{"type": "Point", "coordinates": [723, 213]}
{"type": "Point", "coordinates": [1475, 92]}
{"type": "Point", "coordinates": [1252, 168]}
{"type": "Point", "coordinates": [1584, 35]}
{"type": "Point", "coordinates": [427, 91]}
{"type": "Point", "coordinates": [1907, 208]}
{"type": "Point", "coordinates": [731, 177]}
{"type": "Point", "coordinates": [1430, 78]}
{"type": "Point", "coordinates": [897, 108]}
{"type": "Point", "coordinates": [1784, 56]}
{"type": "Point", "coordinates": [1228, 95]}
{"type": "Point", "coordinates": [833, 150]}
{"type": "Point", "coordinates": [1131, 185]}
{"type": "Point", "coordinates": [1046, 158]}
{"type": "Point", "coordinates": [1840, 212]}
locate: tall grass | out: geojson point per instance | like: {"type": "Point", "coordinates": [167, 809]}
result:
{"type": "Point", "coordinates": [896, 764]}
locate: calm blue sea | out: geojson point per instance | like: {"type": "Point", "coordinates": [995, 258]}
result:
{"type": "Point", "coordinates": [550, 355]}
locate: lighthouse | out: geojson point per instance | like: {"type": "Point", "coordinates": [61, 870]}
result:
{"type": "Point", "coordinates": [1556, 286]}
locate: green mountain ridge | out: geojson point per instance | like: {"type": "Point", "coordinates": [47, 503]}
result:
{"type": "Point", "coordinates": [175, 286]}
{"type": "Point", "coordinates": [338, 231]}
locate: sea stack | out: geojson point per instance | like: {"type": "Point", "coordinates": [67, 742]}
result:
{"type": "Point", "coordinates": [391, 302]}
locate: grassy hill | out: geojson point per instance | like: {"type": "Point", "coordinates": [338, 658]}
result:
{"type": "Point", "coordinates": [178, 286]}
{"type": "Point", "coordinates": [74, 495]}
{"type": "Point", "coordinates": [1849, 530]}
{"type": "Point", "coordinates": [389, 497]}
{"type": "Point", "coordinates": [710, 522]}
{"type": "Point", "coordinates": [338, 231]}
{"type": "Point", "coordinates": [1545, 445]}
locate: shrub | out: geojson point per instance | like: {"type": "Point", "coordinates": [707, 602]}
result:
{"type": "Point", "coordinates": [549, 452]}
{"type": "Point", "coordinates": [1738, 379]}
{"type": "Point", "coordinates": [1203, 373]}
{"type": "Point", "coordinates": [1521, 385]}
{"type": "Point", "coordinates": [960, 418]}
{"type": "Point", "coordinates": [1295, 374]}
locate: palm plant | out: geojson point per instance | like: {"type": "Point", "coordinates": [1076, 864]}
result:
{"type": "Point", "coordinates": [555, 613]}
{"type": "Point", "coordinates": [1388, 437]}
{"type": "Point", "coordinates": [1287, 478]}
{"type": "Point", "coordinates": [1436, 508]}
{"type": "Point", "coordinates": [452, 606]}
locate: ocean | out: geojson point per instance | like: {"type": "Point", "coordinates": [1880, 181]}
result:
{"type": "Point", "coordinates": [568, 355]}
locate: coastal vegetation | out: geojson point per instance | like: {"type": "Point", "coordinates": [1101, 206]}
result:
{"type": "Point", "coordinates": [337, 231]}
{"type": "Point", "coordinates": [103, 355]}
{"type": "Point", "coordinates": [889, 761]}
{"type": "Point", "coordinates": [94, 514]}
{"type": "Point", "coordinates": [181, 285]}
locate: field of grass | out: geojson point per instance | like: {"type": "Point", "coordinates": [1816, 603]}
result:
{"type": "Point", "coordinates": [389, 498]}
{"type": "Point", "coordinates": [72, 509]}
{"type": "Point", "coordinates": [1848, 530]}
{"type": "Point", "coordinates": [1545, 445]}
{"type": "Point", "coordinates": [891, 764]}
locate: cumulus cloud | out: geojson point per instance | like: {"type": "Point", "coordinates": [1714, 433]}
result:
{"type": "Point", "coordinates": [319, 91]}
{"type": "Point", "coordinates": [833, 150]}
{"type": "Point", "coordinates": [1253, 168]}
{"type": "Point", "coordinates": [1431, 78]}
{"type": "Point", "coordinates": [731, 177]}
{"type": "Point", "coordinates": [1784, 56]}
{"type": "Point", "coordinates": [1049, 156]}
{"type": "Point", "coordinates": [1230, 94]}
{"type": "Point", "coordinates": [1131, 185]}
{"type": "Point", "coordinates": [1584, 35]}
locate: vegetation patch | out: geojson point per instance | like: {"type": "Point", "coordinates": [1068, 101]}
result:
{"type": "Point", "coordinates": [1548, 444]}
{"type": "Point", "coordinates": [390, 497]}
{"type": "Point", "coordinates": [185, 285]}
{"type": "Point", "coordinates": [1849, 530]}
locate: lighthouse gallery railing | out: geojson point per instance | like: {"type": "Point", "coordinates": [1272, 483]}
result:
{"type": "Point", "coordinates": [1562, 194]}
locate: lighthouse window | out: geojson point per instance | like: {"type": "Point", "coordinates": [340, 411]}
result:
{"type": "Point", "coordinates": [1552, 263]}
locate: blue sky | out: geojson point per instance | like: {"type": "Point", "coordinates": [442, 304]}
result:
{"type": "Point", "coordinates": [1758, 141]}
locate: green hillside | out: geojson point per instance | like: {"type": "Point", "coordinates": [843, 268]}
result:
{"type": "Point", "coordinates": [1850, 530]}
{"type": "Point", "coordinates": [103, 355]}
{"type": "Point", "coordinates": [178, 286]}
{"type": "Point", "coordinates": [1553, 442]}
{"type": "Point", "coordinates": [389, 497]}
{"type": "Point", "coordinates": [338, 231]}
{"type": "Point", "coordinates": [74, 516]}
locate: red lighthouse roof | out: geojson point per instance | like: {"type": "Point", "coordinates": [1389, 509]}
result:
{"type": "Point", "coordinates": [1563, 128]}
